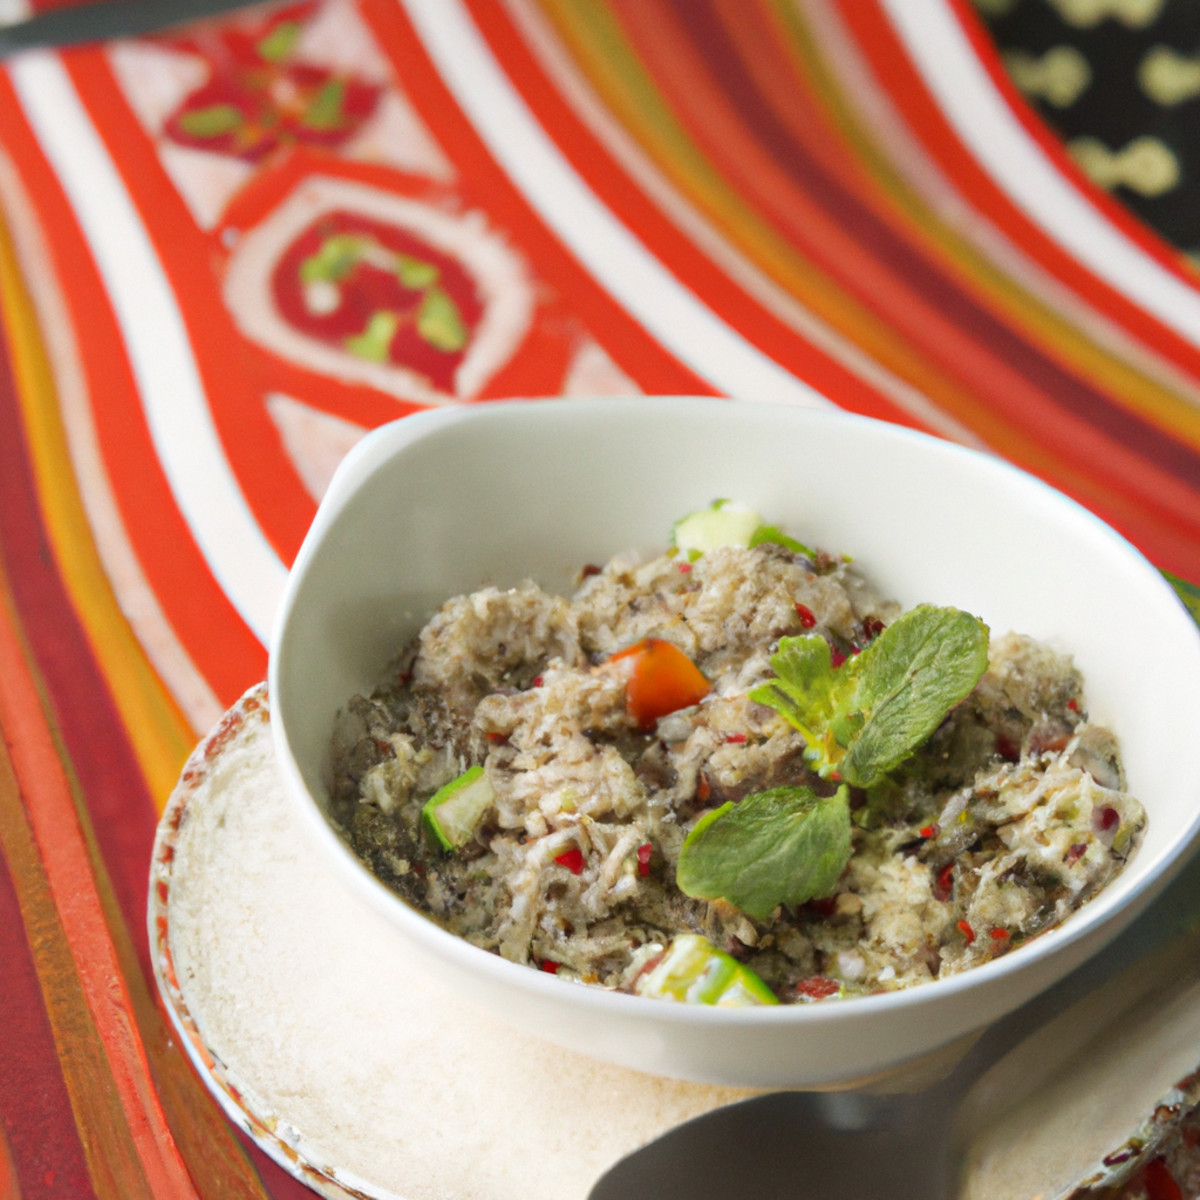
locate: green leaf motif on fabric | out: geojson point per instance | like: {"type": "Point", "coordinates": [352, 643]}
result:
{"type": "Point", "coordinates": [324, 113]}
{"type": "Point", "coordinates": [212, 122]}
{"type": "Point", "coordinates": [280, 42]}
{"type": "Point", "coordinates": [415, 273]}
{"type": "Point", "coordinates": [375, 341]}
{"type": "Point", "coordinates": [440, 323]}
{"type": "Point", "coordinates": [335, 258]}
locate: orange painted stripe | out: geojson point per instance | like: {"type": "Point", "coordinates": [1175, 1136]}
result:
{"type": "Point", "coordinates": [925, 306]}
{"type": "Point", "coordinates": [634, 350]}
{"type": "Point", "coordinates": [607, 56]}
{"type": "Point", "coordinates": [591, 42]}
{"type": "Point", "coordinates": [223, 649]}
{"type": "Point", "coordinates": [10, 1188]}
{"type": "Point", "coordinates": [1071, 453]}
{"type": "Point", "coordinates": [776, 50]}
{"type": "Point", "coordinates": [113, 1162]}
{"type": "Point", "coordinates": [137, 1154]}
{"type": "Point", "coordinates": [599, 49]}
{"type": "Point", "coordinates": [160, 735]}
{"type": "Point", "coordinates": [213, 1154]}
{"type": "Point", "coordinates": [234, 384]}
{"type": "Point", "coordinates": [867, 22]}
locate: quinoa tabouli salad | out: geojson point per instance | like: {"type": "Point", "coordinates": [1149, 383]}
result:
{"type": "Point", "coordinates": [732, 774]}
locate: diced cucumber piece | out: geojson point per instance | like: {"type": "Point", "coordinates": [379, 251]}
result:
{"type": "Point", "coordinates": [723, 523]}
{"type": "Point", "coordinates": [453, 813]}
{"type": "Point", "coordinates": [694, 971]}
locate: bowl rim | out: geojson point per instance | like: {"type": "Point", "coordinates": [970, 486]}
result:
{"type": "Point", "coordinates": [1106, 914]}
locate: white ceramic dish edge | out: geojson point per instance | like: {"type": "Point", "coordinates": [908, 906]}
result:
{"type": "Point", "coordinates": [822, 1045]}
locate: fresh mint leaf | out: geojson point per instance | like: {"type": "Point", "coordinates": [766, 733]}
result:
{"type": "Point", "coordinates": [783, 846]}
{"type": "Point", "coordinates": [813, 696]}
{"type": "Point", "coordinates": [867, 716]}
{"type": "Point", "coordinates": [909, 681]}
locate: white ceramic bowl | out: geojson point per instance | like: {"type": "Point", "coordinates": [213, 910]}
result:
{"type": "Point", "coordinates": [443, 502]}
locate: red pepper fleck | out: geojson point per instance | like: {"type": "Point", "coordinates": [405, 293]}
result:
{"type": "Point", "coordinates": [537, 681]}
{"type": "Point", "coordinates": [1042, 742]}
{"type": "Point", "coordinates": [967, 932]}
{"type": "Point", "coordinates": [685, 567]}
{"type": "Point", "coordinates": [1007, 748]}
{"type": "Point", "coordinates": [929, 831]}
{"type": "Point", "coordinates": [571, 859]}
{"type": "Point", "coordinates": [1073, 705]}
{"type": "Point", "coordinates": [495, 737]}
{"type": "Point", "coordinates": [590, 569]}
{"type": "Point", "coordinates": [735, 737]}
{"type": "Point", "coordinates": [550, 966]}
{"type": "Point", "coordinates": [807, 617]}
{"type": "Point", "coordinates": [703, 788]}
{"type": "Point", "coordinates": [1075, 853]}
{"type": "Point", "coordinates": [1106, 818]}
{"type": "Point", "coordinates": [836, 657]}
{"type": "Point", "coordinates": [644, 851]}
{"type": "Point", "coordinates": [998, 935]}
{"type": "Point", "coordinates": [945, 882]}
{"type": "Point", "coordinates": [818, 987]}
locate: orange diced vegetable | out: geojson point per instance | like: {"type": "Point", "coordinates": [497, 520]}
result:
{"type": "Point", "coordinates": [663, 679]}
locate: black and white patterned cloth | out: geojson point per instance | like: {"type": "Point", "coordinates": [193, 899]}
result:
{"type": "Point", "coordinates": [1119, 82]}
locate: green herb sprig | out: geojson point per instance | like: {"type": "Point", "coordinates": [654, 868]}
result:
{"type": "Point", "coordinates": [860, 721]}
{"type": "Point", "coordinates": [865, 717]}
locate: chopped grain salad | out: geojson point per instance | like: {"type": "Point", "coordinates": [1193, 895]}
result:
{"type": "Point", "coordinates": [732, 774]}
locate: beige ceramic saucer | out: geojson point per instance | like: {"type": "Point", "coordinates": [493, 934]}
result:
{"type": "Point", "coordinates": [364, 1078]}
{"type": "Point", "coordinates": [349, 1068]}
